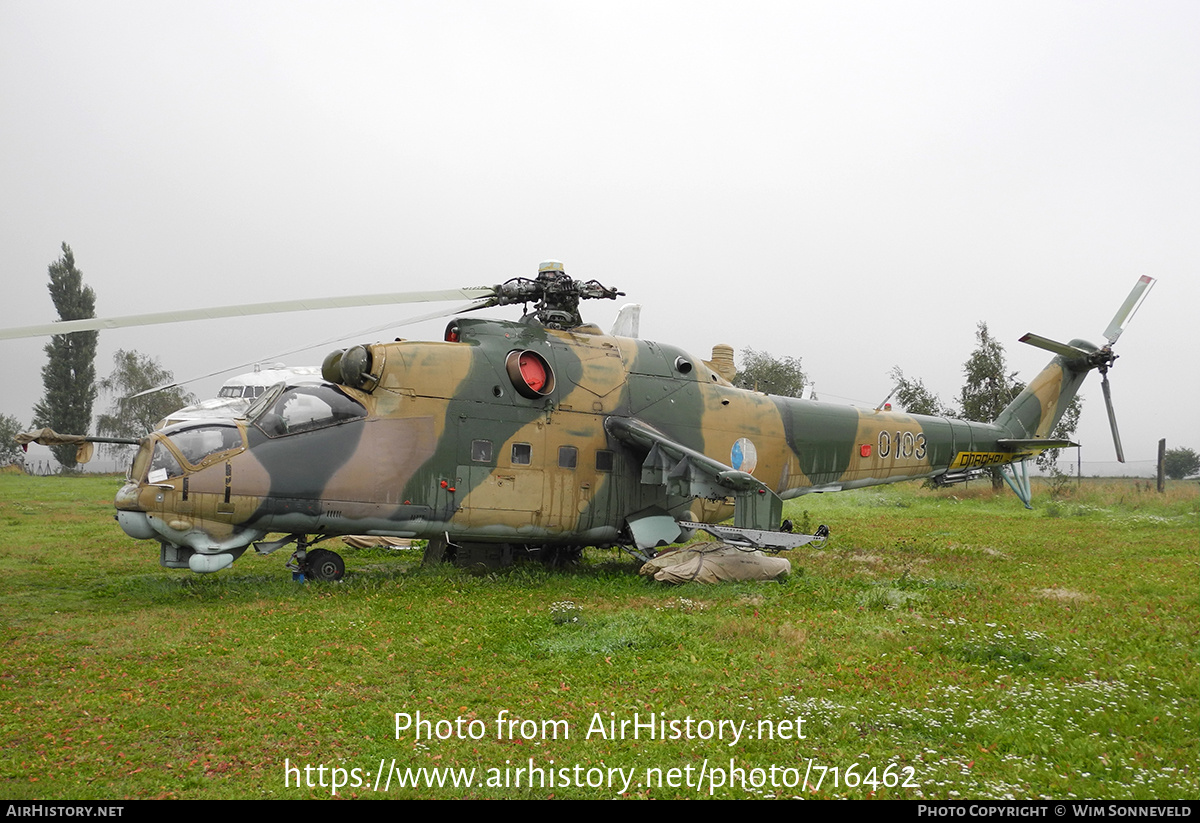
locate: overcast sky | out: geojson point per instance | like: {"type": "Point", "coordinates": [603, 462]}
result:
{"type": "Point", "coordinates": [854, 184]}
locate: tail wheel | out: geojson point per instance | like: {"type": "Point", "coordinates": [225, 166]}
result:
{"type": "Point", "coordinates": [821, 535]}
{"type": "Point", "coordinates": [325, 566]}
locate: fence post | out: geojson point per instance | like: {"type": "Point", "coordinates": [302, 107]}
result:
{"type": "Point", "coordinates": [1162, 456]}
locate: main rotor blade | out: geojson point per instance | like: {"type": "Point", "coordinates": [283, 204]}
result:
{"type": "Point", "coordinates": [1053, 345]}
{"type": "Point", "coordinates": [1112, 418]}
{"type": "Point", "coordinates": [246, 310]}
{"type": "Point", "coordinates": [389, 325]}
{"type": "Point", "coordinates": [1125, 313]}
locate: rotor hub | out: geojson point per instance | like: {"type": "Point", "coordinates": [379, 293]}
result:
{"type": "Point", "coordinates": [555, 296]}
{"type": "Point", "coordinates": [1103, 359]}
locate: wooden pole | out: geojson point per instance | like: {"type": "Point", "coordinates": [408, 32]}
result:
{"type": "Point", "coordinates": [1162, 456]}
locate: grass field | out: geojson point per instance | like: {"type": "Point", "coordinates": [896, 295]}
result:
{"type": "Point", "coordinates": [940, 646]}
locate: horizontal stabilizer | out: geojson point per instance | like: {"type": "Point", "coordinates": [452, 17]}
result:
{"type": "Point", "coordinates": [1032, 444]}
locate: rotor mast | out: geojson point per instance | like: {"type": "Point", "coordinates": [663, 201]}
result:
{"type": "Point", "coordinates": [555, 296]}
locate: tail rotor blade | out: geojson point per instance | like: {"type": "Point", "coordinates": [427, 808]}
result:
{"type": "Point", "coordinates": [1112, 418]}
{"type": "Point", "coordinates": [1126, 312]}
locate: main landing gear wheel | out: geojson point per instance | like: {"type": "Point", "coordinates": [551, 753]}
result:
{"type": "Point", "coordinates": [324, 565]}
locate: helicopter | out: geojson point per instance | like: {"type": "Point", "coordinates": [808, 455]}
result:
{"type": "Point", "coordinates": [542, 436]}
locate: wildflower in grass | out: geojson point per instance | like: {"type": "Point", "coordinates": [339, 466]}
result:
{"type": "Point", "coordinates": [683, 604]}
{"type": "Point", "coordinates": [565, 611]}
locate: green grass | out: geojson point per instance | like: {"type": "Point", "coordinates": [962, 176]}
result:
{"type": "Point", "coordinates": [992, 651]}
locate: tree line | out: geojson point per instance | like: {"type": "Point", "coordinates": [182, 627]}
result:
{"type": "Point", "coordinates": [70, 387]}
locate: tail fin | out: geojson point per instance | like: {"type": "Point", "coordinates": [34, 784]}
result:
{"type": "Point", "coordinates": [1042, 403]}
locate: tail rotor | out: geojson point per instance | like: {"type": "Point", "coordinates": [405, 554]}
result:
{"type": "Point", "coordinates": [1103, 358]}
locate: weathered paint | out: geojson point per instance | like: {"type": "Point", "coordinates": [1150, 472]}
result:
{"type": "Point", "coordinates": [449, 447]}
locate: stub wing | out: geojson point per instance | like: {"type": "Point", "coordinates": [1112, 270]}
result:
{"type": "Point", "coordinates": [686, 472]}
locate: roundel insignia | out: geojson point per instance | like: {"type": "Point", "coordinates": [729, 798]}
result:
{"type": "Point", "coordinates": [743, 456]}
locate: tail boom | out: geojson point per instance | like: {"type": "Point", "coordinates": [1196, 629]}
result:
{"type": "Point", "coordinates": [1038, 408]}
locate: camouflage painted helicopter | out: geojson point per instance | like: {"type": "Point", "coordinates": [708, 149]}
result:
{"type": "Point", "coordinates": [546, 435]}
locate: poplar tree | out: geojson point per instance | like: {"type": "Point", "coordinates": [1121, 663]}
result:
{"type": "Point", "coordinates": [69, 376]}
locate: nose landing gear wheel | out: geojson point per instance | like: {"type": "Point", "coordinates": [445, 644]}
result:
{"type": "Point", "coordinates": [324, 565]}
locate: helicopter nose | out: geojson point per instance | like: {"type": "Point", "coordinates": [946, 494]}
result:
{"type": "Point", "coordinates": [135, 524]}
{"type": "Point", "coordinates": [127, 498]}
{"type": "Point", "coordinates": [132, 520]}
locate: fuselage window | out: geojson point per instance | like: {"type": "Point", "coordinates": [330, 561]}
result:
{"type": "Point", "coordinates": [522, 454]}
{"type": "Point", "coordinates": [604, 460]}
{"type": "Point", "coordinates": [481, 451]}
{"type": "Point", "coordinates": [241, 391]}
{"type": "Point", "coordinates": [568, 456]}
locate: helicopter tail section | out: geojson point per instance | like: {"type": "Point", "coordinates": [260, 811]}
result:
{"type": "Point", "coordinates": [1042, 404]}
{"type": "Point", "coordinates": [1038, 408]}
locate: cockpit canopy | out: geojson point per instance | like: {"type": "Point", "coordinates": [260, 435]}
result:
{"type": "Point", "coordinates": [193, 442]}
{"type": "Point", "coordinates": [284, 410]}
